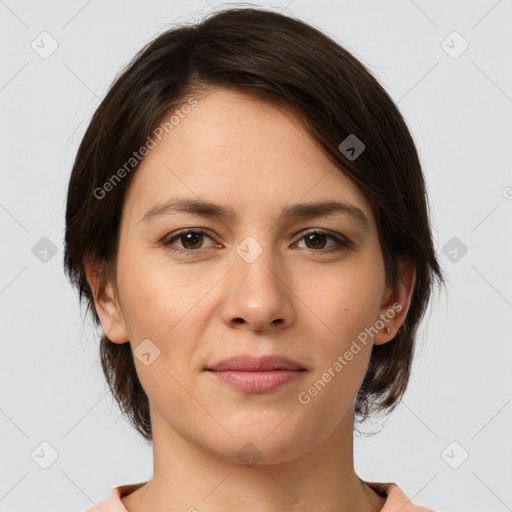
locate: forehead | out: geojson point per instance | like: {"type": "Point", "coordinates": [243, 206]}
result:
{"type": "Point", "coordinates": [238, 150]}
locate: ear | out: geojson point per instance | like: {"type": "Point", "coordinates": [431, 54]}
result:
{"type": "Point", "coordinates": [395, 303]}
{"type": "Point", "coordinates": [107, 307]}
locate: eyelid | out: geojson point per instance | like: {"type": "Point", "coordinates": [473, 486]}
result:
{"type": "Point", "coordinates": [176, 234]}
{"type": "Point", "coordinates": [342, 241]}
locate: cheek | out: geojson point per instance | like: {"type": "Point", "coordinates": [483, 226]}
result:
{"type": "Point", "coordinates": [168, 307]}
{"type": "Point", "coordinates": [161, 310]}
{"type": "Point", "coordinates": [343, 302]}
{"type": "Point", "coordinates": [156, 297]}
{"type": "Point", "coordinates": [346, 303]}
{"type": "Point", "coordinates": [343, 349]}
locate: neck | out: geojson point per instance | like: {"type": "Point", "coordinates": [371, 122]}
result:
{"type": "Point", "coordinates": [194, 478]}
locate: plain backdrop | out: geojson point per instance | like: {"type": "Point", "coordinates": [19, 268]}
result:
{"type": "Point", "coordinates": [63, 441]}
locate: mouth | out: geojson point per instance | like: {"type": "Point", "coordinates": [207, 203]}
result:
{"type": "Point", "coordinates": [257, 374]}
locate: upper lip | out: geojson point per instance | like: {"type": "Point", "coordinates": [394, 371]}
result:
{"type": "Point", "coordinates": [253, 364]}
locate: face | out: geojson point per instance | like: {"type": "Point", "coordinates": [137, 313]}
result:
{"type": "Point", "coordinates": [195, 286]}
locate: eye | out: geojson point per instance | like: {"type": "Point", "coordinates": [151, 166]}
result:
{"type": "Point", "coordinates": [191, 240]}
{"type": "Point", "coordinates": [316, 240]}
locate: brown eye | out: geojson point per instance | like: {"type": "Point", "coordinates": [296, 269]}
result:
{"type": "Point", "coordinates": [187, 241]}
{"type": "Point", "coordinates": [317, 240]}
{"type": "Point", "coordinates": [191, 240]}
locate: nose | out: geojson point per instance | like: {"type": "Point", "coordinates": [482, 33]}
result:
{"type": "Point", "coordinates": [258, 294]}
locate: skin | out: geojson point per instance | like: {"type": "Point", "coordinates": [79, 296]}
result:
{"type": "Point", "coordinates": [297, 299]}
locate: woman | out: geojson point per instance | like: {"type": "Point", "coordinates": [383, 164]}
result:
{"type": "Point", "coordinates": [247, 219]}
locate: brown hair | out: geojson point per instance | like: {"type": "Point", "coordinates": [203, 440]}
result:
{"type": "Point", "coordinates": [288, 62]}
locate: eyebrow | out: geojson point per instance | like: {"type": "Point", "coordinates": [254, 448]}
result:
{"type": "Point", "coordinates": [300, 210]}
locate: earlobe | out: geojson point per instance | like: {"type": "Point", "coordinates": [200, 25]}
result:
{"type": "Point", "coordinates": [107, 308]}
{"type": "Point", "coordinates": [395, 304]}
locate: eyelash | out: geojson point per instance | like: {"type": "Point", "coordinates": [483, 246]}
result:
{"type": "Point", "coordinates": [167, 242]}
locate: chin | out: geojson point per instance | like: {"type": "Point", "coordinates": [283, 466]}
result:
{"type": "Point", "coordinates": [261, 440]}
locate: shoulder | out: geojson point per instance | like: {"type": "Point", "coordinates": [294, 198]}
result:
{"type": "Point", "coordinates": [113, 502]}
{"type": "Point", "coordinates": [396, 500]}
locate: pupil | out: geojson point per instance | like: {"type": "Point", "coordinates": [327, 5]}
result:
{"type": "Point", "coordinates": [315, 238]}
{"type": "Point", "coordinates": [189, 241]}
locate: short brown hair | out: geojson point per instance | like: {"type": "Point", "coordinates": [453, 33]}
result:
{"type": "Point", "coordinates": [288, 62]}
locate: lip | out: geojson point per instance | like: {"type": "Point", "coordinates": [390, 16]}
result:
{"type": "Point", "coordinates": [248, 363]}
{"type": "Point", "coordinates": [257, 374]}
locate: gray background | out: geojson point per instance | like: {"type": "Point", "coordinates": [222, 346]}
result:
{"type": "Point", "coordinates": [459, 109]}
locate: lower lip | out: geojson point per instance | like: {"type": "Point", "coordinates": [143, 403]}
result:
{"type": "Point", "coordinates": [258, 381]}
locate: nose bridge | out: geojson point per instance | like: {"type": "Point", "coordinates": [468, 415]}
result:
{"type": "Point", "coordinates": [257, 294]}
{"type": "Point", "coordinates": [257, 264]}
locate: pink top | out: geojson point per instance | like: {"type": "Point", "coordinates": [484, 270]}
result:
{"type": "Point", "coordinates": [396, 500]}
